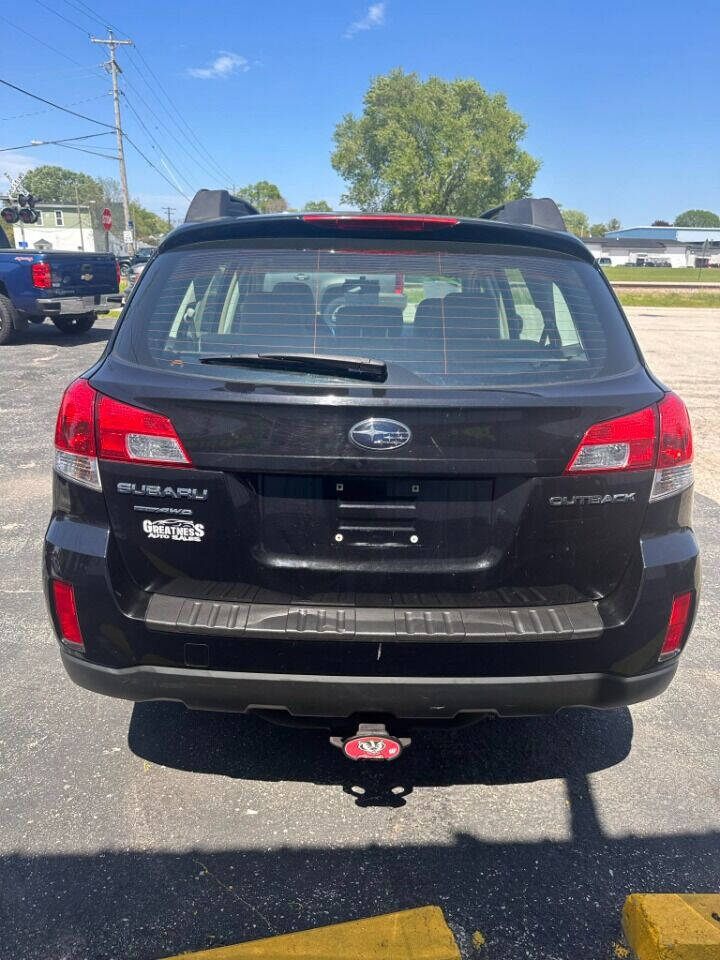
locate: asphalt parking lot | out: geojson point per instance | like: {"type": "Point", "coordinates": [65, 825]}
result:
{"type": "Point", "coordinates": [136, 832]}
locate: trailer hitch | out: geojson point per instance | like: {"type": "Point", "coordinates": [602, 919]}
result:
{"type": "Point", "coordinates": [371, 742]}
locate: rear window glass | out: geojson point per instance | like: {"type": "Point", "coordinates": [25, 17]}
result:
{"type": "Point", "coordinates": [435, 318]}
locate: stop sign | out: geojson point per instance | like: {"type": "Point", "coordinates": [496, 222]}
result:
{"type": "Point", "coordinates": [107, 218]}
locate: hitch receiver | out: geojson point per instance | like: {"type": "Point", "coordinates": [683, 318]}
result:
{"type": "Point", "coordinates": [371, 742]}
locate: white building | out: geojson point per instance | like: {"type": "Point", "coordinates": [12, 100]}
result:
{"type": "Point", "coordinates": [67, 226]}
{"type": "Point", "coordinates": [676, 246]}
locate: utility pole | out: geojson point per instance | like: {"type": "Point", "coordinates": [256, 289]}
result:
{"type": "Point", "coordinates": [79, 216]}
{"type": "Point", "coordinates": [168, 211]}
{"type": "Point", "coordinates": [111, 42]}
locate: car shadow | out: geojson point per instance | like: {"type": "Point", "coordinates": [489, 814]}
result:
{"type": "Point", "coordinates": [568, 745]}
{"type": "Point", "coordinates": [49, 334]}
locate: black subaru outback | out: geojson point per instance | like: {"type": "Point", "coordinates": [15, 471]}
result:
{"type": "Point", "coordinates": [476, 500]}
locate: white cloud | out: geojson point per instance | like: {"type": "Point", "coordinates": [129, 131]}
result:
{"type": "Point", "coordinates": [222, 67]}
{"type": "Point", "coordinates": [13, 164]}
{"type": "Point", "coordinates": [375, 17]}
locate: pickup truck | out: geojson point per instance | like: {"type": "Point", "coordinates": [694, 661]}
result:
{"type": "Point", "coordinates": [71, 288]}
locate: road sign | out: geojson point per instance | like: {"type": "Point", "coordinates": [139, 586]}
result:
{"type": "Point", "coordinates": [107, 218]}
{"type": "Point", "coordinates": [127, 236]}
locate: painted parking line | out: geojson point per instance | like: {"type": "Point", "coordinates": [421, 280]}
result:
{"type": "Point", "coordinates": [671, 926]}
{"type": "Point", "coordinates": [419, 934]}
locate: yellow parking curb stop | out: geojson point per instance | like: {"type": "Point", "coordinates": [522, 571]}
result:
{"type": "Point", "coordinates": [671, 926]}
{"type": "Point", "coordinates": [419, 934]}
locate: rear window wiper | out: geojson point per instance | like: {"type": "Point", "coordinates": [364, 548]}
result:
{"type": "Point", "coordinates": [361, 368]}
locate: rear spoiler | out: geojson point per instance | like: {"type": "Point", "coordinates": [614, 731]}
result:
{"type": "Point", "coordinates": [533, 211]}
{"type": "Point", "coordinates": [211, 204]}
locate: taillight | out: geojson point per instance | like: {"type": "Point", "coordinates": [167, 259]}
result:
{"type": "Point", "coordinates": [384, 221]}
{"type": "Point", "coordinates": [117, 272]}
{"type": "Point", "coordinates": [677, 624]}
{"type": "Point", "coordinates": [399, 283]}
{"type": "Point", "coordinates": [656, 438]}
{"type": "Point", "coordinates": [673, 472]}
{"type": "Point", "coordinates": [75, 453]}
{"type": "Point", "coordinates": [134, 435]}
{"type": "Point", "coordinates": [41, 275]}
{"type": "Point", "coordinates": [91, 426]}
{"type": "Point", "coordinates": [66, 613]}
{"type": "Point", "coordinates": [626, 443]}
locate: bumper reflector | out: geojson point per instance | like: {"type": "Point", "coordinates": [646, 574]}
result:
{"type": "Point", "coordinates": [66, 611]}
{"type": "Point", "coordinates": [677, 625]}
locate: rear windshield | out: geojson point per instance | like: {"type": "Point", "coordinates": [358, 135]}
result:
{"type": "Point", "coordinates": [436, 318]}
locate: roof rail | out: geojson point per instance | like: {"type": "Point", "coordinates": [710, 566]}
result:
{"type": "Point", "coordinates": [210, 204]}
{"type": "Point", "coordinates": [534, 211]}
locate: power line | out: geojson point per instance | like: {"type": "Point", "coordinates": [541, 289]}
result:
{"type": "Point", "coordinates": [57, 106]}
{"type": "Point", "coordinates": [215, 164]}
{"type": "Point", "coordinates": [94, 153]}
{"type": "Point", "coordinates": [49, 46]}
{"type": "Point", "coordinates": [63, 17]}
{"type": "Point", "coordinates": [90, 16]}
{"type": "Point", "coordinates": [169, 132]}
{"type": "Point", "coordinates": [37, 113]}
{"type": "Point", "coordinates": [151, 164]}
{"type": "Point", "coordinates": [156, 145]}
{"type": "Point", "coordinates": [42, 143]}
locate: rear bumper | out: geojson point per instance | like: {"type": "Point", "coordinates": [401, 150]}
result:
{"type": "Point", "coordinates": [73, 306]}
{"type": "Point", "coordinates": [326, 696]}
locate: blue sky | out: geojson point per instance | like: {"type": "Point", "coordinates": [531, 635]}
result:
{"type": "Point", "coordinates": [622, 99]}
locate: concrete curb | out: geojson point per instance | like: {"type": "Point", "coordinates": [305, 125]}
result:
{"type": "Point", "coordinates": [671, 926]}
{"type": "Point", "coordinates": [420, 934]}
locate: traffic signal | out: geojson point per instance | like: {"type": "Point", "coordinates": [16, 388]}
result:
{"type": "Point", "coordinates": [9, 214]}
{"type": "Point", "coordinates": [27, 215]}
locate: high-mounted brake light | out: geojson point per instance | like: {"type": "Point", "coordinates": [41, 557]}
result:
{"type": "Point", "coordinates": [656, 438]}
{"type": "Point", "coordinates": [91, 426]}
{"type": "Point", "coordinates": [384, 221]}
{"type": "Point", "coordinates": [41, 275]}
{"type": "Point", "coordinates": [677, 624]}
{"type": "Point", "coordinates": [66, 613]}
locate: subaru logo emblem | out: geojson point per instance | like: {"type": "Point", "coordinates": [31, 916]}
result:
{"type": "Point", "coordinates": [377, 433]}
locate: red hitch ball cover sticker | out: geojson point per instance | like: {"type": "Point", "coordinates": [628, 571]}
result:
{"type": "Point", "coordinates": [372, 748]}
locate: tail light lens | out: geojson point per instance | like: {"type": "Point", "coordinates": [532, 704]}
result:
{"type": "Point", "coordinates": [134, 435]}
{"type": "Point", "coordinates": [399, 283]}
{"type": "Point", "coordinates": [626, 443]}
{"type": "Point", "coordinates": [66, 613]}
{"type": "Point", "coordinates": [41, 275]}
{"type": "Point", "coordinates": [91, 426]}
{"type": "Point", "coordinates": [75, 452]}
{"type": "Point", "coordinates": [674, 471]}
{"type": "Point", "coordinates": [677, 625]}
{"type": "Point", "coordinates": [117, 272]}
{"type": "Point", "coordinates": [656, 438]}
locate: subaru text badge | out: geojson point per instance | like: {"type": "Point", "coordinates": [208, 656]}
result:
{"type": "Point", "coordinates": [376, 433]}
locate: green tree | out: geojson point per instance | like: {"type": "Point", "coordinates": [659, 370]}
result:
{"type": "Point", "coordinates": [598, 229]}
{"type": "Point", "coordinates": [148, 225]}
{"type": "Point", "coordinates": [613, 224]}
{"type": "Point", "coordinates": [57, 185]}
{"type": "Point", "coordinates": [433, 146]}
{"type": "Point", "coordinates": [265, 196]}
{"type": "Point", "coordinates": [577, 222]}
{"type": "Point", "coordinates": [317, 206]}
{"type": "Point", "coordinates": [697, 218]}
{"type": "Point", "coordinates": [660, 223]}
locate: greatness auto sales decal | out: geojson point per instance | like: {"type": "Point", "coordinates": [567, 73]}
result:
{"type": "Point", "coordinates": [185, 530]}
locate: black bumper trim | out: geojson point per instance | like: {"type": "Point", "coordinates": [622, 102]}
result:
{"type": "Point", "coordinates": [328, 696]}
{"type": "Point", "coordinates": [571, 621]}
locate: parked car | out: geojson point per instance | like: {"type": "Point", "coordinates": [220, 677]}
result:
{"type": "Point", "coordinates": [479, 504]}
{"type": "Point", "coordinates": [70, 288]}
{"type": "Point", "coordinates": [142, 256]}
{"type": "Point", "coordinates": [604, 261]}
